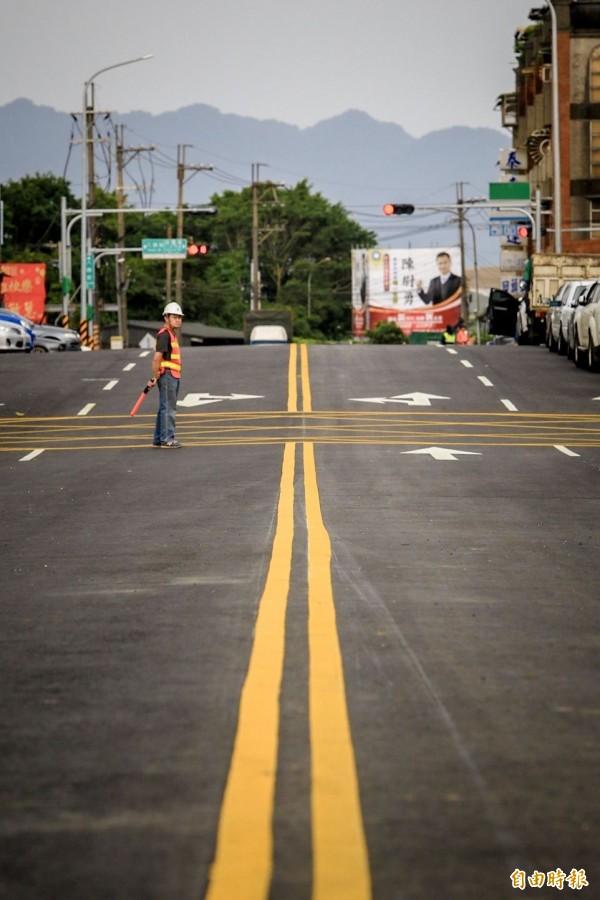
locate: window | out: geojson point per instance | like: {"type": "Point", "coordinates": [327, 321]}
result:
{"type": "Point", "coordinates": [594, 90]}
{"type": "Point", "coordinates": [595, 216]}
{"type": "Point", "coordinates": [595, 124]}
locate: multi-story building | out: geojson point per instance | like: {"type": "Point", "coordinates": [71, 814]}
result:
{"type": "Point", "coordinates": [528, 112]}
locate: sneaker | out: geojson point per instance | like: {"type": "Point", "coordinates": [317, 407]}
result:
{"type": "Point", "coordinates": [171, 445]}
{"type": "Point", "coordinates": [157, 445]}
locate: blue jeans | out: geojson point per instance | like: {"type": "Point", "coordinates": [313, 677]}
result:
{"type": "Point", "coordinates": [168, 388]}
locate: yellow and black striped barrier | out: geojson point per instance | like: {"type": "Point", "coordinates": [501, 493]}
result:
{"type": "Point", "coordinates": [89, 334]}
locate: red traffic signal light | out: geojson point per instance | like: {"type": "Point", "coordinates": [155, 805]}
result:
{"type": "Point", "coordinates": [398, 209]}
{"type": "Point", "coordinates": [523, 231]}
{"type": "Point", "coordinates": [197, 249]}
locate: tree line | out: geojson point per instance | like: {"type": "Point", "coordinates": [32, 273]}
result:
{"type": "Point", "coordinates": [305, 244]}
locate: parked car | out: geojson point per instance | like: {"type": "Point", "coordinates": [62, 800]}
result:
{"type": "Point", "coordinates": [51, 337]}
{"type": "Point", "coordinates": [502, 313]}
{"type": "Point", "coordinates": [7, 317]}
{"type": "Point", "coordinates": [46, 337]}
{"type": "Point", "coordinates": [586, 329]}
{"type": "Point", "coordinates": [14, 337]}
{"type": "Point", "coordinates": [559, 320]}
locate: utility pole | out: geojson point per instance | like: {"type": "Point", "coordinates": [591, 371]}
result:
{"type": "Point", "coordinates": [87, 119]}
{"type": "Point", "coordinates": [556, 124]}
{"type": "Point", "coordinates": [255, 299]}
{"type": "Point", "coordinates": [88, 294]}
{"type": "Point", "coordinates": [120, 262]}
{"type": "Point", "coordinates": [258, 234]}
{"type": "Point", "coordinates": [88, 137]}
{"type": "Point", "coordinates": [461, 238]}
{"type": "Point", "coordinates": [169, 272]}
{"type": "Point", "coordinates": [182, 168]}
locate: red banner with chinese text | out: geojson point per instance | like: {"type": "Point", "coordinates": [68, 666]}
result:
{"type": "Point", "coordinates": [23, 289]}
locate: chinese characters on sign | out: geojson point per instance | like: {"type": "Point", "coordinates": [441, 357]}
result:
{"type": "Point", "coordinates": [418, 289]}
{"type": "Point", "coordinates": [576, 879]}
{"type": "Point", "coordinates": [23, 289]}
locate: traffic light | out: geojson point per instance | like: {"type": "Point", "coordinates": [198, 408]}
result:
{"type": "Point", "coordinates": [523, 232]}
{"type": "Point", "coordinates": [546, 207]}
{"type": "Point", "coordinates": [194, 249]}
{"type": "Point", "coordinates": [398, 209]}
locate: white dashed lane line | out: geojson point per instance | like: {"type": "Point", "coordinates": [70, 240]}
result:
{"type": "Point", "coordinates": [510, 406]}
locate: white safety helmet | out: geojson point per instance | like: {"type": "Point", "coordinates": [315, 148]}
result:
{"type": "Point", "coordinates": [172, 309]}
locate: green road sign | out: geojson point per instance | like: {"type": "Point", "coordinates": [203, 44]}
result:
{"type": "Point", "coordinates": [90, 273]}
{"type": "Point", "coordinates": [164, 248]}
{"type": "Point", "coordinates": [67, 285]}
{"type": "Point", "coordinates": [509, 190]}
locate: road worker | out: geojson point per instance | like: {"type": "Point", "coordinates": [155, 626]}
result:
{"type": "Point", "coordinates": [166, 372]}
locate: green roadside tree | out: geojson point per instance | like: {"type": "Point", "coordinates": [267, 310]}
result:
{"type": "Point", "coordinates": [32, 223]}
{"type": "Point", "coordinates": [386, 333]}
{"type": "Point", "coordinates": [304, 253]}
{"type": "Point", "coordinates": [304, 259]}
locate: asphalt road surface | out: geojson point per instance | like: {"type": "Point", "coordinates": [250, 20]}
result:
{"type": "Point", "coordinates": [343, 645]}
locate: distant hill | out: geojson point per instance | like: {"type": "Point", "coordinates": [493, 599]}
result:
{"type": "Point", "coordinates": [351, 159]}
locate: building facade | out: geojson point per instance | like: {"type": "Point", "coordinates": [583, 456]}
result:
{"type": "Point", "coordinates": [528, 113]}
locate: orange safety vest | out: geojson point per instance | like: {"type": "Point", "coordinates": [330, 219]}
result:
{"type": "Point", "coordinates": [462, 336]}
{"type": "Point", "coordinates": [174, 363]}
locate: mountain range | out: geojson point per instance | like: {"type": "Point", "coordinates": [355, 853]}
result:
{"type": "Point", "coordinates": [351, 159]}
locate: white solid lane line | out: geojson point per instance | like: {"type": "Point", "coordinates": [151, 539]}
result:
{"type": "Point", "coordinates": [565, 450]}
{"type": "Point", "coordinates": [31, 456]}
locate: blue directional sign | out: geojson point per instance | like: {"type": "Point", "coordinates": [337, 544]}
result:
{"type": "Point", "coordinates": [503, 229]}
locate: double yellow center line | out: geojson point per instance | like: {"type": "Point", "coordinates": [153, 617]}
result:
{"type": "Point", "coordinates": [243, 865]}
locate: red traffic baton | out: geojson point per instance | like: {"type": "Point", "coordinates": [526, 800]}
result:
{"type": "Point", "coordinates": [139, 401]}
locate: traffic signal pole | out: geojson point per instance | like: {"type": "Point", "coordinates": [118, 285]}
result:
{"type": "Point", "coordinates": [460, 208]}
{"type": "Point", "coordinates": [182, 168]}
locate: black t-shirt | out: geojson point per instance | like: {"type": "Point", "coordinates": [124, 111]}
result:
{"type": "Point", "coordinates": [163, 344]}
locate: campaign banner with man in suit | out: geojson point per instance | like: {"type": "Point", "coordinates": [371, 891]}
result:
{"type": "Point", "coordinates": [417, 288]}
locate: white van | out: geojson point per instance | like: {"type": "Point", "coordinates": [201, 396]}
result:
{"type": "Point", "coordinates": [268, 334]}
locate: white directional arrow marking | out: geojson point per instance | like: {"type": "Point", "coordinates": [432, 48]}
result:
{"type": "Point", "coordinates": [442, 452]}
{"type": "Point", "coordinates": [414, 399]}
{"type": "Point", "coordinates": [202, 399]}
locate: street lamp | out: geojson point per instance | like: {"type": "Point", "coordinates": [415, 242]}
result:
{"type": "Point", "coordinates": [313, 266]}
{"type": "Point", "coordinates": [84, 175]}
{"type": "Point", "coordinates": [556, 177]}
{"type": "Point", "coordinates": [537, 15]}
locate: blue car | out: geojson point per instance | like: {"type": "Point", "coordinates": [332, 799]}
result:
{"type": "Point", "coordinates": [48, 337]}
{"type": "Point", "coordinates": [16, 332]}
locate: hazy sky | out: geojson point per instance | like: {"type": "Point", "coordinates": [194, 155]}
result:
{"type": "Point", "coordinates": [423, 64]}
